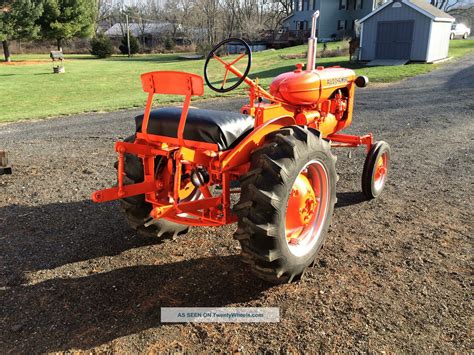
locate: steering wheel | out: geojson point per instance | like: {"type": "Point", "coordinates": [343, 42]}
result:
{"type": "Point", "coordinates": [213, 54]}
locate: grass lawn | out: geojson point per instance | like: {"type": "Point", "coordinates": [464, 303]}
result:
{"type": "Point", "coordinates": [28, 89]}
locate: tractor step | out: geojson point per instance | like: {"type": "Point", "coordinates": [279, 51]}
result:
{"type": "Point", "coordinates": [4, 167]}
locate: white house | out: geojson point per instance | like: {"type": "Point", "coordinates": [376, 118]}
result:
{"type": "Point", "coordinates": [337, 17]}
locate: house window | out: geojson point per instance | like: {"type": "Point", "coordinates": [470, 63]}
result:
{"type": "Point", "coordinates": [342, 4]}
{"type": "Point", "coordinates": [341, 24]}
{"type": "Point", "coordinates": [301, 25]}
{"type": "Point", "coordinates": [299, 5]}
{"type": "Point", "coordinates": [358, 4]}
{"type": "Point", "coordinates": [314, 4]}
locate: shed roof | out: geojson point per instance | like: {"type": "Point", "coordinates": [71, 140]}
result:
{"type": "Point", "coordinates": [432, 10]}
{"type": "Point", "coordinates": [421, 6]}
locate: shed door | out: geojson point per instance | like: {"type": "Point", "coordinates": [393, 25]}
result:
{"type": "Point", "coordinates": [394, 39]}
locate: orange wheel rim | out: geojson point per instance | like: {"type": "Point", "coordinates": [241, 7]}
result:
{"type": "Point", "coordinates": [307, 208]}
{"type": "Point", "coordinates": [380, 171]}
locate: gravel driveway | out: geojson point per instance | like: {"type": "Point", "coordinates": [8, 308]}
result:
{"type": "Point", "coordinates": [395, 273]}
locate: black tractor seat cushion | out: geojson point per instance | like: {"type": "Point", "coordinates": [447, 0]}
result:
{"type": "Point", "coordinates": [223, 128]}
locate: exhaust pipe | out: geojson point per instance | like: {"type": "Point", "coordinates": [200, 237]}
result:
{"type": "Point", "coordinates": [312, 44]}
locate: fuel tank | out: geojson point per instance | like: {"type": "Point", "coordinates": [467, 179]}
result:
{"type": "Point", "coordinates": [308, 88]}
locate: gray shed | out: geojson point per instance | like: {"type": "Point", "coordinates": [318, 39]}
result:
{"type": "Point", "coordinates": [406, 30]}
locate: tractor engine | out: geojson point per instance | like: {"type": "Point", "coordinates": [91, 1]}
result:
{"type": "Point", "coordinates": [323, 96]}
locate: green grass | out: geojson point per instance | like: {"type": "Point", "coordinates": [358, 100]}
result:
{"type": "Point", "coordinates": [30, 91]}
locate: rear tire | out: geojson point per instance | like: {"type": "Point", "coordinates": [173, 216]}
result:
{"type": "Point", "coordinates": [465, 36]}
{"type": "Point", "coordinates": [137, 210]}
{"type": "Point", "coordinates": [451, 36]}
{"type": "Point", "coordinates": [265, 195]}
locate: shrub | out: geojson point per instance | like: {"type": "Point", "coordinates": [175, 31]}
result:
{"type": "Point", "coordinates": [203, 49]}
{"type": "Point", "coordinates": [134, 45]}
{"type": "Point", "coordinates": [101, 46]}
{"type": "Point", "coordinates": [169, 44]}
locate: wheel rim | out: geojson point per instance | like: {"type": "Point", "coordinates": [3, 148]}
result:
{"type": "Point", "coordinates": [307, 208]}
{"type": "Point", "coordinates": [380, 171]}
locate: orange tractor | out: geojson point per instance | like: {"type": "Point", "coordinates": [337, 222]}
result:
{"type": "Point", "coordinates": [183, 166]}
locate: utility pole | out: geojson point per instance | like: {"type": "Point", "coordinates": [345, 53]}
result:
{"type": "Point", "coordinates": [128, 35]}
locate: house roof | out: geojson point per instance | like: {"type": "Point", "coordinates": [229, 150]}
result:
{"type": "Point", "coordinates": [137, 30]}
{"type": "Point", "coordinates": [421, 6]}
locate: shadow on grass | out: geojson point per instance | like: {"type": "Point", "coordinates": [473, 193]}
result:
{"type": "Point", "coordinates": [24, 74]}
{"type": "Point", "coordinates": [149, 58]}
{"type": "Point", "coordinates": [165, 58]}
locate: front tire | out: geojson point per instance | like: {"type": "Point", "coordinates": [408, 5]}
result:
{"type": "Point", "coordinates": [376, 166]}
{"type": "Point", "coordinates": [286, 204]}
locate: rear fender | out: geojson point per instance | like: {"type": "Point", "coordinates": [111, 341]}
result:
{"type": "Point", "coordinates": [241, 153]}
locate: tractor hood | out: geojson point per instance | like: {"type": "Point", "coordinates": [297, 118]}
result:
{"type": "Point", "coordinates": [302, 87]}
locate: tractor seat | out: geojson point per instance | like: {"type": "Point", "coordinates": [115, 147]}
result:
{"type": "Point", "coordinates": [226, 129]}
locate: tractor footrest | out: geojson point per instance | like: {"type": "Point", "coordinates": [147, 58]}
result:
{"type": "Point", "coordinates": [4, 167]}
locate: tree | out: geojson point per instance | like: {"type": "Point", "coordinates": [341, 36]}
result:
{"type": "Point", "coordinates": [104, 13]}
{"type": "Point", "coordinates": [101, 46]}
{"type": "Point", "coordinates": [169, 43]}
{"type": "Point", "coordinates": [179, 14]}
{"type": "Point", "coordinates": [276, 12]}
{"type": "Point", "coordinates": [18, 20]}
{"type": "Point", "coordinates": [251, 18]}
{"type": "Point", "coordinates": [447, 5]}
{"type": "Point", "coordinates": [134, 45]}
{"type": "Point", "coordinates": [230, 8]}
{"type": "Point", "coordinates": [210, 11]}
{"type": "Point", "coordinates": [66, 19]}
{"type": "Point", "coordinates": [464, 14]}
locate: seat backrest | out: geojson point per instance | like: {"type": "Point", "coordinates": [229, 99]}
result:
{"type": "Point", "coordinates": [173, 83]}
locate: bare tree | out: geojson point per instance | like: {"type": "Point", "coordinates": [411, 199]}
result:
{"type": "Point", "coordinates": [251, 17]}
{"type": "Point", "coordinates": [104, 13]}
{"type": "Point", "coordinates": [140, 13]}
{"type": "Point", "coordinates": [210, 10]}
{"type": "Point", "coordinates": [286, 6]}
{"type": "Point", "coordinates": [180, 14]}
{"type": "Point", "coordinates": [229, 9]}
{"type": "Point", "coordinates": [276, 12]}
{"type": "Point", "coordinates": [156, 10]}
{"type": "Point", "coordinates": [117, 15]}
{"type": "Point", "coordinates": [464, 14]}
{"type": "Point", "coordinates": [447, 5]}
{"type": "Point", "coordinates": [217, 19]}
